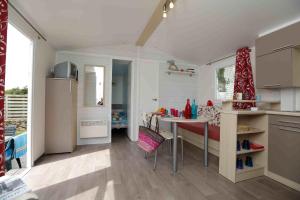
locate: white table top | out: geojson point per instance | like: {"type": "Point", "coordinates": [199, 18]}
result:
{"type": "Point", "coordinates": [183, 120]}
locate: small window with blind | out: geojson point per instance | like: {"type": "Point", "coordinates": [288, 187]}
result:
{"type": "Point", "coordinates": [225, 82]}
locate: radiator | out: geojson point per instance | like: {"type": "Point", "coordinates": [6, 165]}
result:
{"type": "Point", "coordinates": [93, 128]}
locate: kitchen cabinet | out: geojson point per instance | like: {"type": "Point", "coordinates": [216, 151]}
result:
{"type": "Point", "coordinates": [279, 69]}
{"type": "Point", "coordinates": [278, 40]}
{"type": "Point", "coordinates": [284, 147]}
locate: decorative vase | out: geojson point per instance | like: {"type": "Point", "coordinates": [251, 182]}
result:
{"type": "Point", "coordinates": [188, 110]}
{"type": "Point", "coordinates": [194, 110]}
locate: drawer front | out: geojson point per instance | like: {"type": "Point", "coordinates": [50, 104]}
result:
{"type": "Point", "coordinates": [285, 121]}
{"type": "Point", "coordinates": [284, 152]}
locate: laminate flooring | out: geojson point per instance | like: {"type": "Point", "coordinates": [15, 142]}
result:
{"type": "Point", "coordinates": [120, 172]}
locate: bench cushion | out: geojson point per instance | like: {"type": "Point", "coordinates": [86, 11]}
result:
{"type": "Point", "coordinates": [198, 128]}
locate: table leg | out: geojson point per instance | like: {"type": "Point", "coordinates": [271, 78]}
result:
{"type": "Point", "coordinates": [174, 127]}
{"type": "Point", "coordinates": [206, 144]}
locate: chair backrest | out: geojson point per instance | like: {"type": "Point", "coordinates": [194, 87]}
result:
{"type": "Point", "coordinates": [150, 120]}
{"type": "Point", "coordinates": [10, 130]}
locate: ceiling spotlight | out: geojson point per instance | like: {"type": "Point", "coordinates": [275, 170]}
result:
{"type": "Point", "coordinates": [171, 4]}
{"type": "Point", "coordinates": [165, 12]}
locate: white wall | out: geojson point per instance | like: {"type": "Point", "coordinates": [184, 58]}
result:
{"type": "Point", "coordinates": [43, 59]}
{"type": "Point", "coordinates": [91, 113]}
{"type": "Point", "coordinates": [175, 89]}
{"type": "Point", "coordinates": [207, 81]}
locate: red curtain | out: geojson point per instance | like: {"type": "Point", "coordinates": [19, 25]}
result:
{"type": "Point", "coordinates": [244, 78]}
{"type": "Point", "coordinates": [3, 39]}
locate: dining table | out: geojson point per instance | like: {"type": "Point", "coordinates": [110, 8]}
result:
{"type": "Point", "coordinates": [174, 124]}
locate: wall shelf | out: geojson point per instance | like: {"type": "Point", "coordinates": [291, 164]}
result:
{"type": "Point", "coordinates": [250, 131]}
{"type": "Point", "coordinates": [249, 169]}
{"type": "Point", "coordinates": [244, 151]}
{"type": "Point", "coordinates": [188, 73]}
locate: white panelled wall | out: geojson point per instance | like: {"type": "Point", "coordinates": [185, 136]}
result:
{"type": "Point", "coordinates": [175, 89]}
{"type": "Point", "coordinates": [91, 113]}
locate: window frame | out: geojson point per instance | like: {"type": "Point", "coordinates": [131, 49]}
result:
{"type": "Point", "coordinates": [217, 82]}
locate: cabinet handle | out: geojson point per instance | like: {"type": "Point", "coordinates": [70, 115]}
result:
{"type": "Point", "coordinates": [271, 86]}
{"type": "Point", "coordinates": [71, 87]}
{"type": "Point", "coordinates": [291, 130]}
{"type": "Point", "coordinates": [290, 122]}
{"type": "Point", "coordinates": [283, 48]}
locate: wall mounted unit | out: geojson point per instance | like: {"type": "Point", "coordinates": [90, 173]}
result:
{"type": "Point", "coordinates": [93, 129]}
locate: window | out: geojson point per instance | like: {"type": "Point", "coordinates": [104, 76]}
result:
{"type": "Point", "coordinates": [225, 82]}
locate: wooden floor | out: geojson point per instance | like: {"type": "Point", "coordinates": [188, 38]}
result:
{"type": "Point", "coordinates": [120, 172]}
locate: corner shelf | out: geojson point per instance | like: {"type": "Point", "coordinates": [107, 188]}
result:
{"type": "Point", "coordinates": [243, 151]}
{"type": "Point", "coordinates": [249, 172]}
{"type": "Point", "coordinates": [257, 121]}
{"type": "Point", "coordinates": [189, 73]}
{"type": "Point", "coordinates": [250, 131]}
{"type": "Point", "coordinates": [249, 169]}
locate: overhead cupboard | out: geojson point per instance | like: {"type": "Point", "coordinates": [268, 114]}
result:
{"type": "Point", "coordinates": [278, 58]}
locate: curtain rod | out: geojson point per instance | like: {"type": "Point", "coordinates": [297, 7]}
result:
{"type": "Point", "coordinates": [230, 56]}
{"type": "Point", "coordinates": [26, 20]}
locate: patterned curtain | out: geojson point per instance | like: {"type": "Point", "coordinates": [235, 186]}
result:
{"type": "Point", "coordinates": [3, 39]}
{"type": "Point", "coordinates": [243, 82]}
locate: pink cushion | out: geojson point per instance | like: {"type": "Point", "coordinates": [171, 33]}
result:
{"type": "Point", "coordinates": [198, 128]}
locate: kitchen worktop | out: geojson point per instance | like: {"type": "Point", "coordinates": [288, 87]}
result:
{"type": "Point", "coordinates": [270, 112]}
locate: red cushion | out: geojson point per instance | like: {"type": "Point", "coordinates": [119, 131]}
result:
{"type": "Point", "coordinates": [198, 128]}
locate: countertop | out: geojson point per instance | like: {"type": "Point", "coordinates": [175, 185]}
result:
{"type": "Point", "coordinates": [261, 112]}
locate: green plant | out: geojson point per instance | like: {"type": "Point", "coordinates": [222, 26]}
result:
{"type": "Point", "coordinates": [17, 91]}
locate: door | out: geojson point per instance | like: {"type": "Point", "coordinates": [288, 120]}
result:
{"type": "Point", "coordinates": [148, 87]}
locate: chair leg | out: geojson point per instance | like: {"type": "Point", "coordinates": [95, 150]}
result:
{"type": "Point", "coordinates": [8, 165]}
{"type": "Point", "coordinates": [155, 160]}
{"type": "Point", "coordinates": [170, 146]}
{"type": "Point", "coordinates": [19, 162]}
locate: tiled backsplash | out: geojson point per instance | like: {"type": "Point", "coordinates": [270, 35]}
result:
{"type": "Point", "coordinates": [290, 99]}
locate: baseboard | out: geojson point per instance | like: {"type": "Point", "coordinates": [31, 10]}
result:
{"type": "Point", "coordinates": [285, 181]}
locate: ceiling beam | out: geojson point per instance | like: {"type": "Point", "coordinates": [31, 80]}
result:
{"type": "Point", "coordinates": [152, 24]}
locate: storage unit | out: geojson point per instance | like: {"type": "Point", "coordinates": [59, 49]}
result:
{"type": "Point", "coordinates": [61, 115]}
{"type": "Point", "coordinates": [280, 69]}
{"type": "Point", "coordinates": [230, 121]}
{"type": "Point", "coordinates": [284, 147]}
{"type": "Point", "coordinates": [278, 59]}
{"type": "Point", "coordinates": [278, 40]}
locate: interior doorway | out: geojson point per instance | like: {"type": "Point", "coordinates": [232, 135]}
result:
{"type": "Point", "coordinates": [17, 106]}
{"type": "Point", "coordinates": [121, 98]}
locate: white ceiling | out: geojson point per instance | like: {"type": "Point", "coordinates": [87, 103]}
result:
{"type": "Point", "coordinates": [71, 24]}
{"type": "Point", "coordinates": [202, 30]}
{"type": "Point", "coordinates": [196, 30]}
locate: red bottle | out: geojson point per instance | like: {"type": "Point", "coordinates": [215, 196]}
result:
{"type": "Point", "coordinates": [188, 110]}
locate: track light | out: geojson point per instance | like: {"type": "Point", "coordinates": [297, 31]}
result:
{"type": "Point", "coordinates": [165, 12]}
{"type": "Point", "coordinates": [171, 4]}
